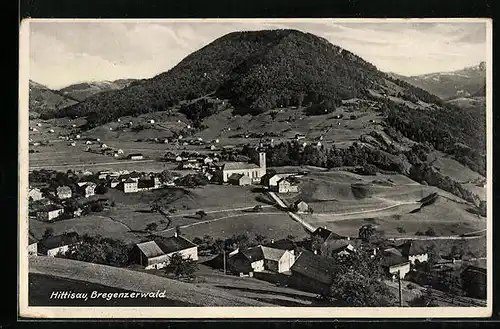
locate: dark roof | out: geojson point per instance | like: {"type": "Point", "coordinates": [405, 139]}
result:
{"type": "Point", "coordinates": [315, 267]}
{"type": "Point", "coordinates": [174, 244]}
{"type": "Point", "coordinates": [59, 240]}
{"type": "Point", "coordinates": [235, 176]}
{"type": "Point", "coordinates": [253, 254]}
{"type": "Point", "coordinates": [326, 234]}
{"type": "Point", "coordinates": [135, 154]}
{"type": "Point", "coordinates": [410, 248]}
{"type": "Point", "coordinates": [50, 207]}
{"type": "Point", "coordinates": [239, 165]}
{"type": "Point", "coordinates": [31, 240]}
{"type": "Point", "coordinates": [283, 244]}
{"type": "Point", "coordinates": [130, 180]}
{"type": "Point", "coordinates": [475, 269]}
{"type": "Point", "coordinates": [393, 256]}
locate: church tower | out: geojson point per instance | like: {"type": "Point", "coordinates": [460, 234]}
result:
{"type": "Point", "coordinates": [262, 162]}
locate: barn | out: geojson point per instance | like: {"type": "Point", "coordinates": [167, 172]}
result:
{"type": "Point", "coordinates": [312, 273]}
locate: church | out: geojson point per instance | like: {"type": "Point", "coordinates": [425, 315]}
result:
{"type": "Point", "coordinates": [251, 170]}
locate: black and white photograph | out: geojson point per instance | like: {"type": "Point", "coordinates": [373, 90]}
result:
{"type": "Point", "coordinates": [240, 168]}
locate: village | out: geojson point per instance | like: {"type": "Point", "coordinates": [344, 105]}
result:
{"type": "Point", "coordinates": [307, 265]}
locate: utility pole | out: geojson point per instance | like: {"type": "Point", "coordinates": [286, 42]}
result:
{"type": "Point", "coordinates": [400, 290]}
{"type": "Point", "coordinates": [224, 256]}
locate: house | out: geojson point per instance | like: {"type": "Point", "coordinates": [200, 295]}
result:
{"type": "Point", "coordinates": [49, 212]}
{"type": "Point", "coordinates": [413, 252]}
{"type": "Point", "coordinates": [130, 186]}
{"type": "Point", "coordinates": [260, 259]}
{"type": "Point", "coordinates": [32, 247]}
{"type": "Point", "coordinates": [64, 192]}
{"type": "Point", "coordinates": [394, 263]}
{"type": "Point", "coordinates": [272, 181]}
{"type": "Point", "coordinates": [255, 172]}
{"type": "Point", "coordinates": [88, 188]}
{"type": "Point", "coordinates": [474, 280]}
{"type": "Point", "coordinates": [136, 156]}
{"type": "Point", "coordinates": [299, 136]}
{"type": "Point", "coordinates": [239, 179]}
{"type": "Point", "coordinates": [35, 194]}
{"type": "Point", "coordinates": [300, 207]}
{"type": "Point", "coordinates": [57, 244]}
{"type": "Point", "coordinates": [156, 254]}
{"type": "Point", "coordinates": [114, 183]}
{"type": "Point", "coordinates": [286, 185]}
{"type": "Point", "coordinates": [283, 244]}
{"type": "Point", "coordinates": [312, 273]}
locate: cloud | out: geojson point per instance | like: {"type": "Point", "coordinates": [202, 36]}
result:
{"type": "Point", "coordinates": [63, 53]}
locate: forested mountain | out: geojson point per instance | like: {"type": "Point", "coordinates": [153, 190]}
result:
{"type": "Point", "coordinates": [81, 91]}
{"type": "Point", "coordinates": [449, 85]}
{"type": "Point", "coordinates": [43, 100]}
{"type": "Point", "coordinates": [262, 70]}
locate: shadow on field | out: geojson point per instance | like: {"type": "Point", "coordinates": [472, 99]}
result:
{"type": "Point", "coordinates": [148, 211]}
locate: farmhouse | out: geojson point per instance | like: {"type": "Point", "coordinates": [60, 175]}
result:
{"type": "Point", "coordinates": [286, 185]}
{"type": "Point", "coordinates": [239, 179]}
{"type": "Point", "coordinates": [58, 244]}
{"type": "Point", "coordinates": [136, 156]}
{"type": "Point", "coordinates": [32, 247]}
{"type": "Point", "coordinates": [130, 186]}
{"type": "Point", "coordinates": [253, 171]}
{"type": "Point", "coordinates": [312, 273]}
{"type": "Point", "coordinates": [87, 188]}
{"type": "Point", "coordinates": [64, 192]}
{"type": "Point", "coordinates": [35, 194]}
{"type": "Point", "coordinates": [394, 263]}
{"type": "Point", "coordinates": [413, 252]}
{"type": "Point", "coordinates": [283, 244]}
{"type": "Point", "coordinates": [300, 207]}
{"type": "Point", "coordinates": [156, 254]}
{"type": "Point", "coordinates": [114, 183]}
{"type": "Point", "coordinates": [260, 259]}
{"type": "Point", "coordinates": [49, 212]}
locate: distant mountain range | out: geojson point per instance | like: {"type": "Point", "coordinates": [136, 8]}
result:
{"type": "Point", "coordinates": [43, 100]}
{"type": "Point", "coordinates": [449, 85]}
{"type": "Point", "coordinates": [81, 91]}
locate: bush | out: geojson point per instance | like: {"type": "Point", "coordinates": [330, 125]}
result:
{"type": "Point", "coordinates": [430, 232]}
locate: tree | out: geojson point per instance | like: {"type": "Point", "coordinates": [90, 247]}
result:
{"type": "Point", "coordinates": [366, 231]}
{"type": "Point", "coordinates": [101, 189]}
{"type": "Point", "coordinates": [49, 232]}
{"type": "Point", "coordinates": [151, 227]}
{"type": "Point", "coordinates": [166, 176]}
{"type": "Point", "coordinates": [430, 232]}
{"type": "Point", "coordinates": [425, 299]}
{"type": "Point", "coordinates": [259, 238]}
{"type": "Point", "coordinates": [358, 281]}
{"type": "Point", "coordinates": [181, 267]}
{"type": "Point", "coordinates": [201, 213]}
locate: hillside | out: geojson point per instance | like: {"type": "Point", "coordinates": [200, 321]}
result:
{"type": "Point", "coordinates": [43, 100]}
{"type": "Point", "coordinates": [447, 85]}
{"type": "Point", "coordinates": [82, 91]}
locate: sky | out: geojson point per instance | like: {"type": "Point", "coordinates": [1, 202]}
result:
{"type": "Point", "coordinates": [66, 52]}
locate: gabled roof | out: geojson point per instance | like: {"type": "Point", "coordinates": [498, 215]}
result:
{"type": "Point", "coordinates": [235, 176]}
{"type": "Point", "coordinates": [59, 240]}
{"type": "Point", "coordinates": [315, 267]}
{"type": "Point", "coordinates": [283, 244]}
{"type": "Point", "coordinates": [326, 234]}
{"type": "Point", "coordinates": [62, 189]}
{"type": "Point", "coordinates": [51, 207]}
{"type": "Point", "coordinates": [392, 257]}
{"type": "Point", "coordinates": [150, 249]}
{"type": "Point", "coordinates": [174, 244]}
{"type": "Point", "coordinates": [296, 203]}
{"type": "Point", "coordinates": [272, 253]}
{"type": "Point", "coordinates": [129, 180]}
{"type": "Point", "coordinates": [253, 254]}
{"type": "Point", "coordinates": [411, 248]}
{"type": "Point", "coordinates": [31, 240]}
{"type": "Point", "coordinates": [239, 166]}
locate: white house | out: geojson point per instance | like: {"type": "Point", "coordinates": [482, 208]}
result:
{"type": "Point", "coordinates": [58, 244]}
{"type": "Point", "coordinates": [136, 156]}
{"type": "Point", "coordinates": [260, 259]}
{"type": "Point", "coordinates": [35, 194]}
{"type": "Point", "coordinates": [286, 186]}
{"type": "Point", "coordinates": [394, 263]}
{"type": "Point", "coordinates": [130, 186]}
{"type": "Point", "coordinates": [156, 254]}
{"type": "Point", "coordinates": [49, 213]}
